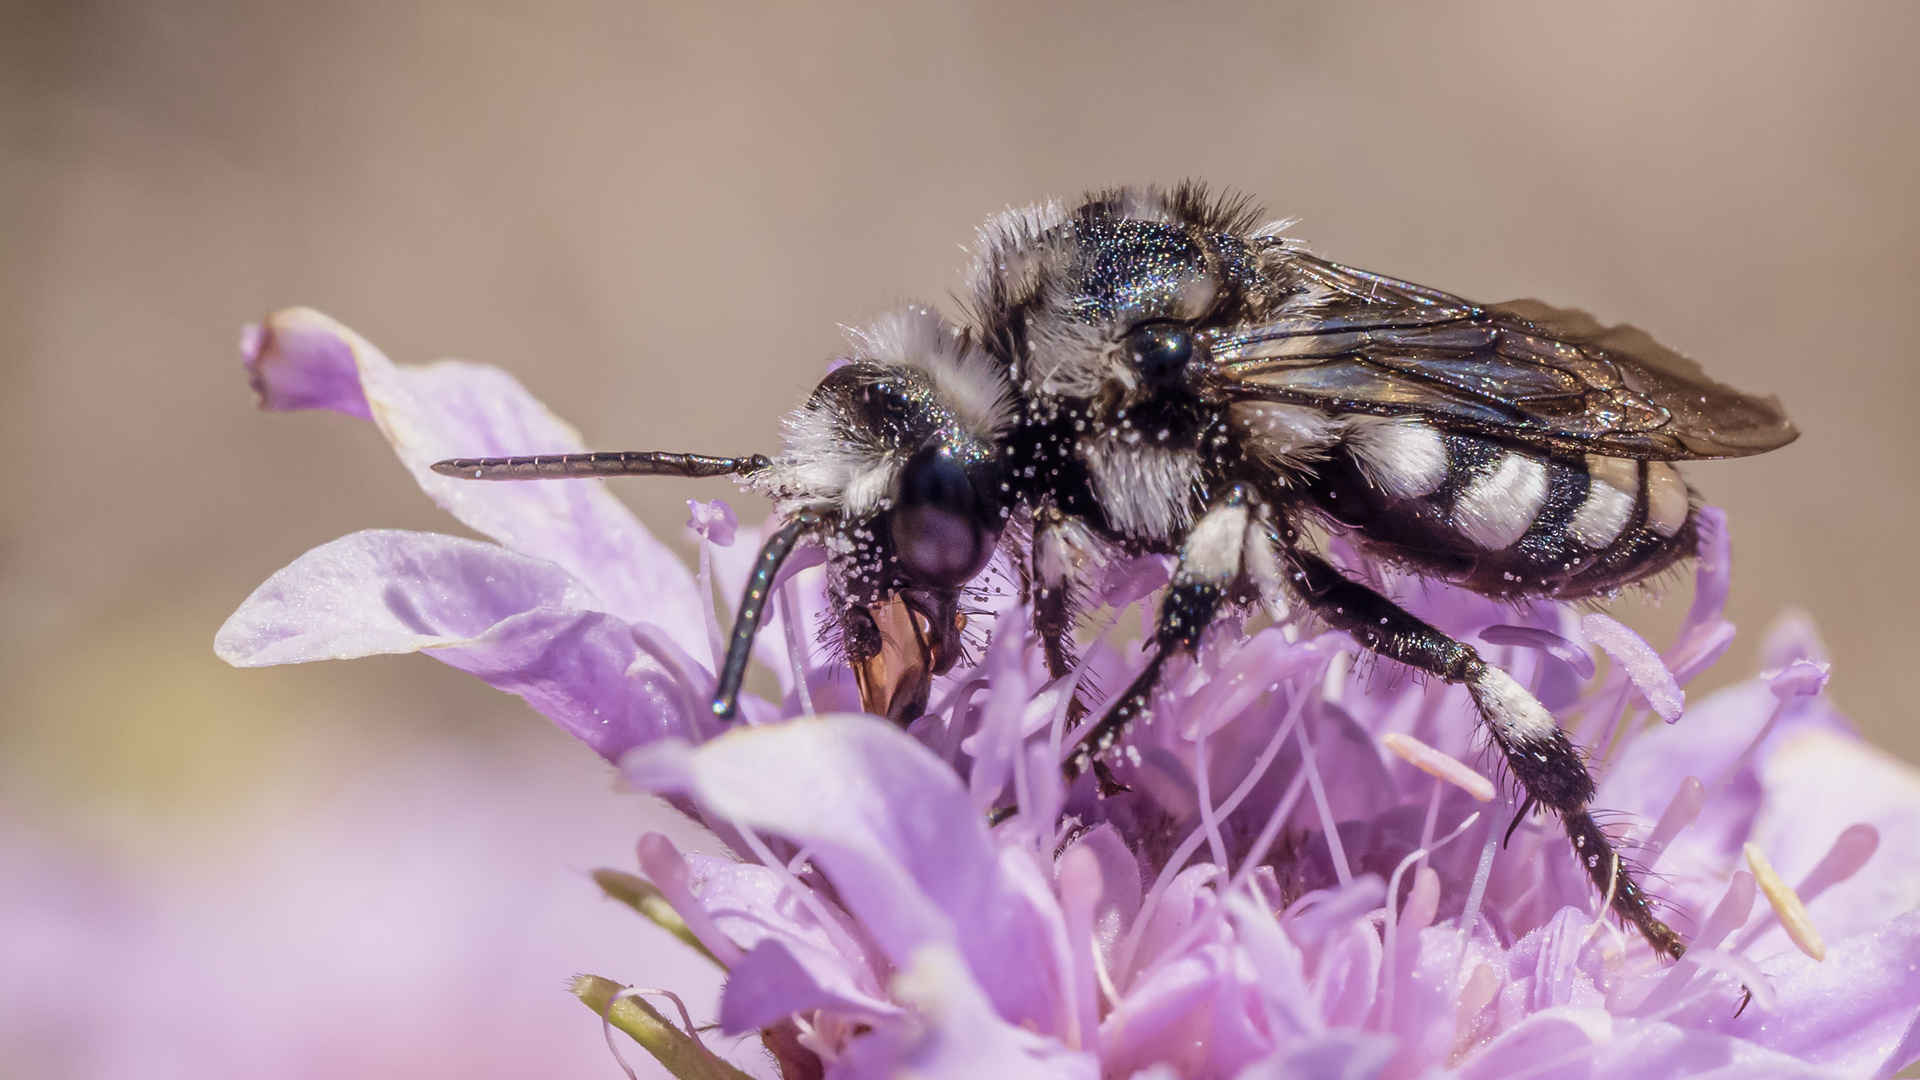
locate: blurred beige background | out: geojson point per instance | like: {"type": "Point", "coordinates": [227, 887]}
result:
{"type": "Point", "coordinates": [657, 214]}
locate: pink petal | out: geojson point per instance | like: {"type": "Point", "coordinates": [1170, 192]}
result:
{"type": "Point", "coordinates": [1849, 1011]}
{"type": "Point", "coordinates": [517, 623]}
{"type": "Point", "coordinates": [893, 829]}
{"type": "Point", "coordinates": [453, 409]}
{"type": "Point", "coordinates": [388, 591]}
{"type": "Point", "coordinates": [773, 981]}
{"type": "Point", "coordinates": [959, 1037]}
{"type": "Point", "coordinates": [1820, 785]}
{"type": "Point", "coordinates": [1712, 567]}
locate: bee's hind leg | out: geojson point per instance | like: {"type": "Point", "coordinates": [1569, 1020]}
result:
{"type": "Point", "coordinates": [1549, 768]}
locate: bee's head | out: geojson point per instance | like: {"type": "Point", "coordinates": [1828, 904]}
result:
{"type": "Point", "coordinates": [1106, 302]}
{"type": "Point", "coordinates": [900, 451]}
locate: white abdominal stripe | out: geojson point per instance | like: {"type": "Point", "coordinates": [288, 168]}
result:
{"type": "Point", "coordinates": [1403, 456]}
{"type": "Point", "coordinates": [1498, 507]}
{"type": "Point", "coordinates": [1492, 502]}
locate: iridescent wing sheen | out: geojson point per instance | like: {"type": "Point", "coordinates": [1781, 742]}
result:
{"type": "Point", "coordinates": [1522, 370]}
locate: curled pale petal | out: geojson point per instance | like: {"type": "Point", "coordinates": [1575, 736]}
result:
{"type": "Point", "coordinates": [1130, 580]}
{"type": "Point", "coordinates": [996, 742]}
{"type": "Point", "coordinates": [1640, 662]}
{"type": "Point", "coordinates": [300, 359]}
{"type": "Point", "coordinates": [1434, 763]}
{"type": "Point", "coordinates": [514, 621]}
{"type": "Point", "coordinates": [1533, 637]}
{"type": "Point", "coordinates": [302, 364]}
{"type": "Point", "coordinates": [1120, 889]}
{"type": "Point", "coordinates": [1739, 971]}
{"type": "Point", "coordinates": [1322, 912]}
{"type": "Point", "coordinates": [1261, 664]}
{"type": "Point", "coordinates": [894, 831]}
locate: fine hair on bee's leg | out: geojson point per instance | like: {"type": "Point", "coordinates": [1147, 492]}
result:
{"type": "Point", "coordinates": [1210, 559]}
{"type": "Point", "coordinates": [1060, 553]}
{"type": "Point", "coordinates": [1549, 768]}
{"type": "Point", "coordinates": [753, 608]}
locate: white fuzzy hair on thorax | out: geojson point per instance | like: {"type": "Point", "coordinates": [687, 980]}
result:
{"type": "Point", "coordinates": [1146, 490]}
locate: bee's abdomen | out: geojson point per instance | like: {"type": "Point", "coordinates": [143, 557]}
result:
{"type": "Point", "coordinates": [1506, 520]}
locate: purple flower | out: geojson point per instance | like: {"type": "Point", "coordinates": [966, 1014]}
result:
{"type": "Point", "coordinates": [1305, 878]}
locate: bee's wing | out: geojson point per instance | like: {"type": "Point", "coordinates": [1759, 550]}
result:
{"type": "Point", "coordinates": [1523, 370]}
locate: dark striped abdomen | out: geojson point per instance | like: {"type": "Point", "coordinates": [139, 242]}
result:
{"type": "Point", "coordinates": [1505, 520]}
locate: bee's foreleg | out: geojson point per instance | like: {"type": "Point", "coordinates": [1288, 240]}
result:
{"type": "Point", "coordinates": [1061, 553]}
{"type": "Point", "coordinates": [1211, 558]}
{"type": "Point", "coordinates": [1546, 763]}
{"type": "Point", "coordinates": [753, 606]}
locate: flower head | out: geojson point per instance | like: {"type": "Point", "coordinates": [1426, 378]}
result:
{"type": "Point", "coordinates": [1310, 873]}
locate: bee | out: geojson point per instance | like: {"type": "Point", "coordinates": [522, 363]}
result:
{"type": "Point", "coordinates": [1155, 371]}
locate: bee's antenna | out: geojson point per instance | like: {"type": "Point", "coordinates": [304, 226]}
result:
{"type": "Point", "coordinates": [753, 605]}
{"type": "Point", "coordinates": [616, 463]}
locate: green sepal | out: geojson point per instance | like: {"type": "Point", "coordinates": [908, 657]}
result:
{"type": "Point", "coordinates": [646, 898]}
{"type": "Point", "coordinates": [680, 1053]}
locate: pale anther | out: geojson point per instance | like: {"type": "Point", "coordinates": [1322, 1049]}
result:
{"type": "Point", "coordinates": [1786, 904]}
{"type": "Point", "coordinates": [1435, 763]}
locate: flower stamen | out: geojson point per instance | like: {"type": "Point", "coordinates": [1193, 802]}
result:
{"type": "Point", "coordinates": [1439, 764]}
{"type": "Point", "coordinates": [1786, 904]}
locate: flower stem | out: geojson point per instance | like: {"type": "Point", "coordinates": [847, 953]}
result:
{"type": "Point", "coordinates": [678, 1051]}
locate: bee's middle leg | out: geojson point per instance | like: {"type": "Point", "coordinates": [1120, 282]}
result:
{"type": "Point", "coordinates": [1215, 552]}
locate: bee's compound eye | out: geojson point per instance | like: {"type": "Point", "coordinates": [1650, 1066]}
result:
{"type": "Point", "coordinates": [942, 531]}
{"type": "Point", "coordinates": [1161, 352]}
